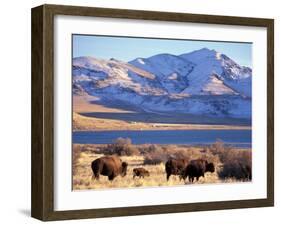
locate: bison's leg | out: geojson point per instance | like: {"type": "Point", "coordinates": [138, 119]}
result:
{"type": "Point", "coordinates": [168, 175]}
{"type": "Point", "coordinates": [111, 177]}
{"type": "Point", "coordinates": [182, 177]}
{"type": "Point", "coordinates": [191, 179]}
{"type": "Point", "coordinates": [197, 178]}
{"type": "Point", "coordinates": [96, 176]}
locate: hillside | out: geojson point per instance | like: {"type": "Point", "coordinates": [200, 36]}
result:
{"type": "Point", "coordinates": [203, 82]}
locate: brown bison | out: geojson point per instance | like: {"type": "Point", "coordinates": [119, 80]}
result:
{"type": "Point", "coordinates": [140, 172]}
{"type": "Point", "coordinates": [110, 166]}
{"type": "Point", "coordinates": [175, 167]}
{"type": "Point", "coordinates": [197, 168]}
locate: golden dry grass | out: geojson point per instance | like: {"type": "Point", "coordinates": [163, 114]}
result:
{"type": "Point", "coordinates": [84, 154]}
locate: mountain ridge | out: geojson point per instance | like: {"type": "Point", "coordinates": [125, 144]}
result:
{"type": "Point", "coordinates": [202, 82]}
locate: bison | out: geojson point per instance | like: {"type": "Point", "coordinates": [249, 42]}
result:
{"type": "Point", "coordinates": [197, 168]}
{"type": "Point", "coordinates": [175, 167]}
{"type": "Point", "coordinates": [110, 166]}
{"type": "Point", "coordinates": [235, 169]}
{"type": "Point", "coordinates": [140, 172]}
{"type": "Point", "coordinates": [247, 171]}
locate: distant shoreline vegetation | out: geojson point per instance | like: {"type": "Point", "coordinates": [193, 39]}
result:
{"type": "Point", "coordinates": [237, 138]}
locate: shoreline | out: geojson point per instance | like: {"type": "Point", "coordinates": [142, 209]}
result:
{"type": "Point", "coordinates": [83, 123]}
{"type": "Point", "coordinates": [194, 146]}
{"type": "Point", "coordinates": [168, 127]}
{"type": "Point", "coordinates": [91, 116]}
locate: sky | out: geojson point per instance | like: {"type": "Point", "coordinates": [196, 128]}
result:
{"type": "Point", "coordinates": [127, 49]}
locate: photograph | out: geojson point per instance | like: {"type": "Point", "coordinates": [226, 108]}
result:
{"type": "Point", "coordinates": [151, 112]}
{"type": "Point", "coordinates": [159, 107]}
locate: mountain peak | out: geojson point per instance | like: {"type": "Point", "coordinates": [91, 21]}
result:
{"type": "Point", "coordinates": [200, 54]}
{"type": "Point", "coordinates": [163, 55]}
{"type": "Point", "coordinates": [206, 49]}
{"type": "Point", "coordinates": [203, 51]}
{"type": "Point", "coordinates": [203, 82]}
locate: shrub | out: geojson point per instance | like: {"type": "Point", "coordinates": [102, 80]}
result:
{"type": "Point", "coordinates": [88, 148]}
{"type": "Point", "coordinates": [121, 146]}
{"type": "Point", "coordinates": [236, 164]}
{"type": "Point", "coordinates": [76, 151]}
{"type": "Point", "coordinates": [219, 148]}
{"type": "Point", "coordinates": [153, 155]}
{"type": "Point", "coordinates": [149, 148]}
{"type": "Point", "coordinates": [237, 170]}
{"type": "Point", "coordinates": [154, 158]}
{"type": "Point", "coordinates": [156, 154]}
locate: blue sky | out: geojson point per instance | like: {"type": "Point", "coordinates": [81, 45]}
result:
{"type": "Point", "coordinates": [127, 49]}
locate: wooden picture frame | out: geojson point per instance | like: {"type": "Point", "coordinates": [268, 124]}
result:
{"type": "Point", "coordinates": [42, 203]}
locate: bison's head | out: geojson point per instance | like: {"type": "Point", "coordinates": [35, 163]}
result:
{"type": "Point", "coordinates": [210, 167]}
{"type": "Point", "coordinates": [124, 169]}
{"type": "Point", "coordinates": [147, 173]}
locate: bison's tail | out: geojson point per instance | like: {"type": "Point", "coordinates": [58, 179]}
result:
{"type": "Point", "coordinates": [95, 169]}
{"type": "Point", "coordinates": [94, 176]}
{"type": "Point", "coordinates": [168, 166]}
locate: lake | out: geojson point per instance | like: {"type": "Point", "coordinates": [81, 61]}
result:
{"type": "Point", "coordinates": [237, 138]}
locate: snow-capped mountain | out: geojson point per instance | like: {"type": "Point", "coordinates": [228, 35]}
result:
{"type": "Point", "coordinates": [171, 71]}
{"type": "Point", "coordinates": [201, 82]}
{"type": "Point", "coordinates": [209, 62]}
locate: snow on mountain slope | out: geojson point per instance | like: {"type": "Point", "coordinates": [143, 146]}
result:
{"type": "Point", "coordinates": [96, 75]}
{"type": "Point", "coordinates": [202, 82]}
{"type": "Point", "coordinates": [170, 70]}
{"type": "Point", "coordinates": [214, 86]}
{"type": "Point", "coordinates": [209, 62]}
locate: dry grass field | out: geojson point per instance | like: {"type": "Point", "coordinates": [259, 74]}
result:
{"type": "Point", "coordinates": [153, 157]}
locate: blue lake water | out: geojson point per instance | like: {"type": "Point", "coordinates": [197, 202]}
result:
{"type": "Point", "coordinates": [237, 138]}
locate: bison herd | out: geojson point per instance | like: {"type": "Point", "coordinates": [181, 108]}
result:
{"type": "Point", "coordinates": [191, 169]}
{"type": "Point", "coordinates": [112, 166]}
